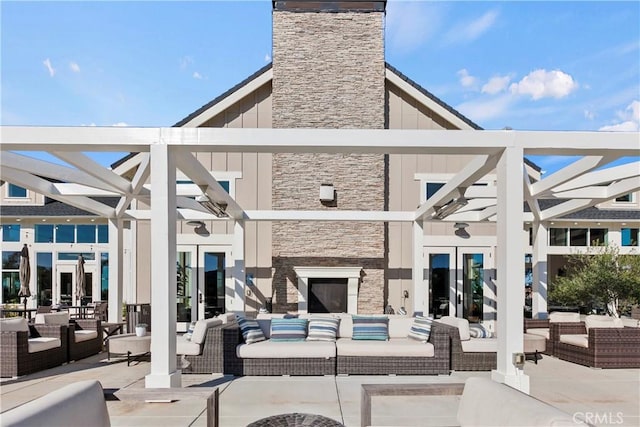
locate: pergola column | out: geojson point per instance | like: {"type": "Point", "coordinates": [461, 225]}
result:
{"type": "Point", "coordinates": [510, 267]}
{"type": "Point", "coordinates": [236, 298]}
{"type": "Point", "coordinates": [163, 270]}
{"type": "Point", "coordinates": [540, 278]}
{"type": "Point", "coordinates": [420, 291]}
{"type": "Point", "coordinates": [116, 273]}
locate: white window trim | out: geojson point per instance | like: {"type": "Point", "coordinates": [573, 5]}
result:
{"type": "Point", "coordinates": [632, 200]}
{"type": "Point", "coordinates": [26, 196]}
{"type": "Point", "coordinates": [435, 178]}
{"type": "Point", "coordinates": [194, 190]}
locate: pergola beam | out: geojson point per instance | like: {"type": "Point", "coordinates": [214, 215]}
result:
{"type": "Point", "coordinates": [568, 173]}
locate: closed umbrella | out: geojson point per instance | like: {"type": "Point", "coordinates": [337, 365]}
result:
{"type": "Point", "coordinates": [25, 276]}
{"type": "Point", "coordinates": [80, 279]}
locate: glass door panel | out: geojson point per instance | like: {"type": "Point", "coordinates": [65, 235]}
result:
{"type": "Point", "coordinates": [213, 286]}
{"type": "Point", "coordinates": [184, 285]}
{"type": "Point", "coordinates": [65, 285]}
{"type": "Point", "coordinates": [472, 286]}
{"type": "Point", "coordinates": [440, 281]}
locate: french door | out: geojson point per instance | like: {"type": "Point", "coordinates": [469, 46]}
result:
{"type": "Point", "coordinates": [201, 279]}
{"type": "Point", "coordinates": [65, 292]}
{"type": "Point", "coordinates": [460, 282]}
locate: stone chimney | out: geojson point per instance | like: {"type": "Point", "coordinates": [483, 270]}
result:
{"type": "Point", "coordinates": [329, 72]}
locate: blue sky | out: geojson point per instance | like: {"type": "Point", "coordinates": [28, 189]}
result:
{"type": "Point", "coordinates": [525, 65]}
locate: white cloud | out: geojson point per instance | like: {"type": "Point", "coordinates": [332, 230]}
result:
{"type": "Point", "coordinates": [466, 79]}
{"type": "Point", "coordinates": [74, 67]}
{"type": "Point", "coordinates": [545, 84]}
{"type": "Point", "coordinates": [267, 58]}
{"type": "Point", "coordinates": [496, 84]}
{"type": "Point", "coordinates": [185, 62]}
{"type": "Point", "coordinates": [47, 63]}
{"type": "Point", "coordinates": [630, 119]}
{"type": "Point", "coordinates": [481, 110]}
{"type": "Point", "coordinates": [409, 24]}
{"type": "Point", "coordinates": [120, 125]}
{"type": "Point", "coordinates": [469, 31]}
{"type": "Point", "coordinates": [197, 75]}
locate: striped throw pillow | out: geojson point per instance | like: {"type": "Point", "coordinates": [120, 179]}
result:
{"type": "Point", "coordinates": [323, 329]}
{"type": "Point", "coordinates": [479, 330]}
{"type": "Point", "coordinates": [370, 328]}
{"type": "Point", "coordinates": [420, 329]}
{"type": "Point", "coordinates": [251, 331]}
{"type": "Point", "coordinates": [189, 333]}
{"type": "Point", "coordinates": [288, 329]}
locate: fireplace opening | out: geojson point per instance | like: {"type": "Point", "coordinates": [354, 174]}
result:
{"type": "Point", "coordinates": [327, 295]}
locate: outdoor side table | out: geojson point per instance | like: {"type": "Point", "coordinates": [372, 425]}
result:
{"type": "Point", "coordinates": [533, 345]}
{"type": "Point", "coordinates": [130, 344]}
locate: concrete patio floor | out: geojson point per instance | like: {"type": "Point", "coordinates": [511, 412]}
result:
{"type": "Point", "coordinates": [605, 397]}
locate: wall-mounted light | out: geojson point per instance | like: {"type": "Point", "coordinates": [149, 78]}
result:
{"type": "Point", "coordinates": [444, 211]}
{"type": "Point", "coordinates": [327, 193]}
{"type": "Point", "coordinates": [196, 224]}
{"type": "Point", "coordinates": [460, 225]}
{"type": "Point", "coordinates": [216, 208]}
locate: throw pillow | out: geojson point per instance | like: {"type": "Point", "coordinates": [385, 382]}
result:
{"type": "Point", "coordinates": [290, 329]}
{"type": "Point", "coordinates": [478, 330]}
{"type": "Point", "coordinates": [370, 328]}
{"type": "Point", "coordinates": [250, 329]}
{"type": "Point", "coordinates": [189, 333]}
{"type": "Point", "coordinates": [420, 329]}
{"type": "Point", "coordinates": [323, 329]}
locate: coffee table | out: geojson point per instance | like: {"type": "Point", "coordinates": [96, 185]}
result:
{"type": "Point", "coordinates": [132, 345]}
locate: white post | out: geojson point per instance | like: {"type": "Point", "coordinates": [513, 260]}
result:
{"type": "Point", "coordinates": [116, 272]}
{"type": "Point", "coordinates": [236, 298]}
{"type": "Point", "coordinates": [420, 290]}
{"type": "Point", "coordinates": [163, 270]}
{"type": "Point", "coordinates": [510, 271]}
{"type": "Point", "coordinates": [540, 281]}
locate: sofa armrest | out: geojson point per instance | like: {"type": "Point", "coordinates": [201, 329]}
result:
{"type": "Point", "coordinates": [441, 343]}
{"type": "Point", "coordinates": [535, 324]}
{"type": "Point", "coordinates": [565, 328]}
{"type": "Point", "coordinates": [93, 324]}
{"type": "Point", "coordinates": [601, 339]}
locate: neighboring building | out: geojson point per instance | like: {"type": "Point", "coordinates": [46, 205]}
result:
{"type": "Point", "coordinates": [328, 71]}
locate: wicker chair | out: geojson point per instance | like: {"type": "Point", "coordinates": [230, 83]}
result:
{"type": "Point", "coordinates": [606, 347]}
{"type": "Point", "coordinates": [15, 358]}
{"type": "Point", "coordinates": [465, 360]}
{"type": "Point", "coordinates": [215, 352]}
{"type": "Point", "coordinates": [79, 348]}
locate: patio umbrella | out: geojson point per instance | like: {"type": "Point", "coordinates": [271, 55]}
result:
{"type": "Point", "coordinates": [80, 279]}
{"type": "Point", "coordinates": [25, 276]}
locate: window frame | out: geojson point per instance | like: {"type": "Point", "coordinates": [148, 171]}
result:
{"type": "Point", "coordinates": [11, 186]}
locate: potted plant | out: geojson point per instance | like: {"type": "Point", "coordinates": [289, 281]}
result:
{"type": "Point", "coordinates": [141, 329]}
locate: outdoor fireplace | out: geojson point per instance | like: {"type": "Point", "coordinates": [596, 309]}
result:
{"type": "Point", "coordinates": [328, 295]}
{"type": "Point", "coordinates": [328, 289]}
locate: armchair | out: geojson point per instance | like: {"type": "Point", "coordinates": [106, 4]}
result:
{"type": "Point", "coordinates": [26, 348]}
{"type": "Point", "coordinates": [84, 337]}
{"type": "Point", "coordinates": [599, 342]}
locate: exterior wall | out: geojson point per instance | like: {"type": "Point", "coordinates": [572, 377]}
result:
{"type": "Point", "coordinates": [32, 198]}
{"type": "Point", "coordinates": [405, 112]}
{"type": "Point", "coordinates": [633, 204]}
{"type": "Point", "coordinates": [324, 81]}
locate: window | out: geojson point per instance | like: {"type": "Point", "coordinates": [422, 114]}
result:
{"type": "Point", "coordinates": [104, 276]}
{"type": "Point", "coordinates": [578, 236]}
{"type": "Point", "coordinates": [44, 275]}
{"type": "Point", "coordinates": [65, 233]}
{"type": "Point", "coordinates": [598, 236]}
{"type": "Point", "coordinates": [44, 233]}
{"type": "Point", "coordinates": [10, 277]}
{"type": "Point", "coordinates": [16, 191]}
{"type": "Point", "coordinates": [11, 233]}
{"type": "Point", "coordinates": [558, 237]}
{"type": "Point", "coordinates": [86, 233]}
{"type": "Point", "coordinates": [627, 198]}
{"type": "Point", "coordinates": [103, 234]}
{"type": "Point", "coordinates": [629, 236]}
{"type": "Point", "coordinates": [433, 187]}
{"type": "Point", "coordinates": [73, 256]}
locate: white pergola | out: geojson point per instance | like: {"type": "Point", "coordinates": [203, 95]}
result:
{"type": "Point", "coordinates": [166, 150]}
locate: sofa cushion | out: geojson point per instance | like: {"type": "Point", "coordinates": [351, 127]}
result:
{"type": "Point", "coordinates": [323, 329]}
{"type": "Point", "coordinates": [399, 326]}
{"type": "Point", "coordinates": [77, 404]}
{"type": "Point", "coordinates": [42, 343]}
{"type": "Point", "coordinates": [250, 329]}
{"type": "Point", "coordinates": [14, 324]}
{"type": "Point", "coordinates": [200, 330]}
{"type": "Point", "coordinates": [420, 329]}
{"type": "Point", "coordinates": [288, 329]}
{"type": "Point", "coordinates": [580, 340]}
{"type": "Point", "coordinates": [227, 318]}
{"type": "Point", "coordinates": [559, 316]}
{"type": "Point", "coordinates": [394, 347]}
{"type": "Point", "coordinates": [598, 321]}
{"type": "Point", "coordinates": [185, 346]}
{"type": "Point", "coordinates": [630, 323]}
{"type": "Point", "coordinates": [480, 345]}
{"type": "Point", "coordinates": [61, 318]}
{"type": "Point", "coordinates": [286, 349]}
{"type": "Point", "coordinates": [346, 326]}
{"type": "Point", "coordinates": [85, 335]}
{"type": "Point", "coordinates": [478, 330]}
{"type": "Point", "coordinates": [541, 332]}
{"type": "Point", "coordinates": [461, 324]}
{"type": "Point", "coordinates": [370, 328]}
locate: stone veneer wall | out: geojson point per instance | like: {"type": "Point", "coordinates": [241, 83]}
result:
{"type": "Point", "coordinates": [329, 72]}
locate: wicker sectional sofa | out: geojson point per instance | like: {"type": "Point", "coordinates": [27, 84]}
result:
{"type": "Point", "coordinates": [397, 355]}
{"type": "Point", "coordinates": [467, 353]}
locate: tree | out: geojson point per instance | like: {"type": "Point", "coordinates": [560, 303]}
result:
{"type": "Point", "coordinates": [600, 277]}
